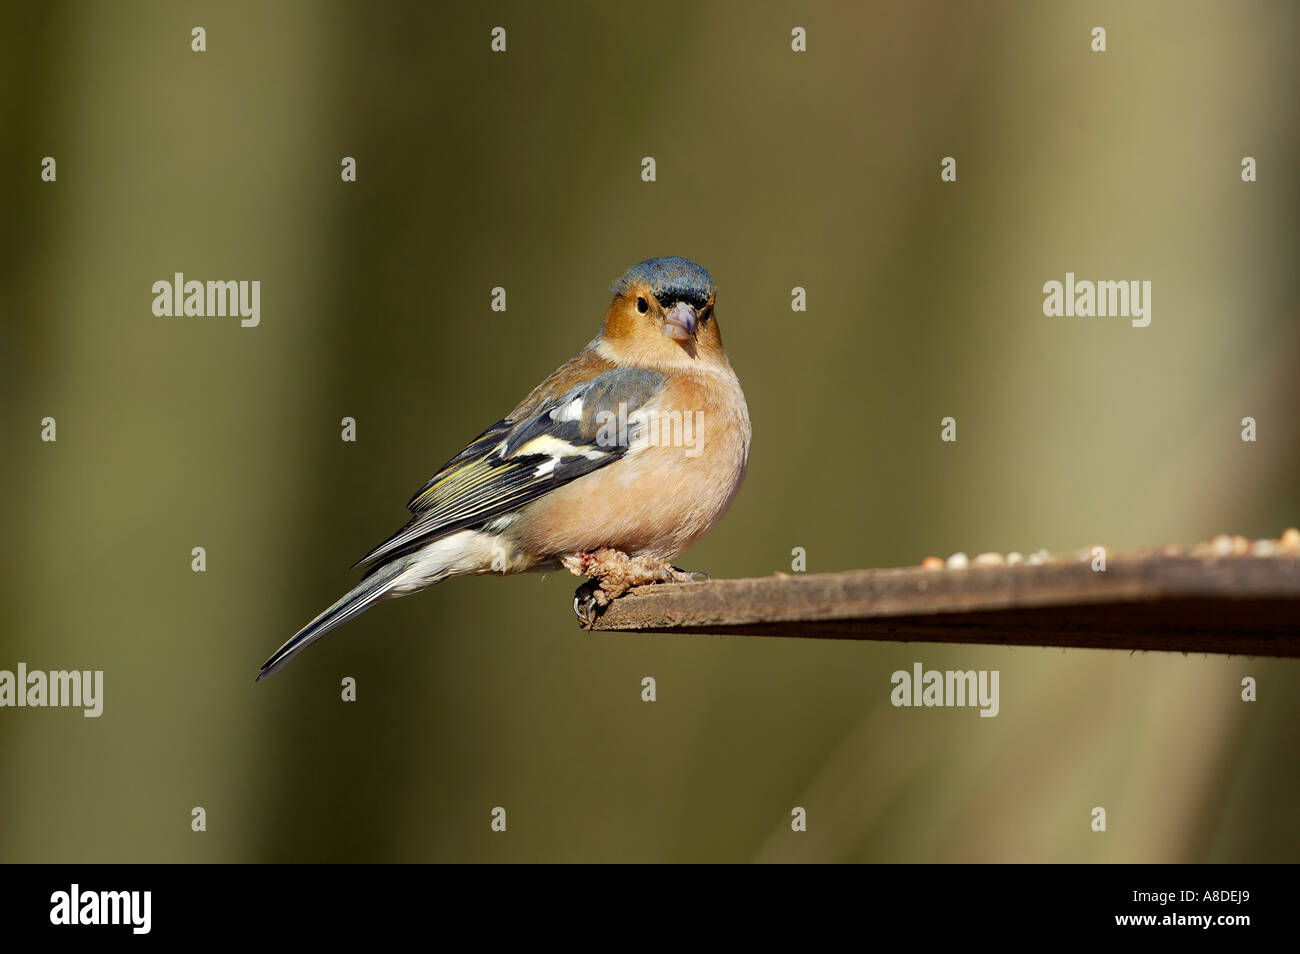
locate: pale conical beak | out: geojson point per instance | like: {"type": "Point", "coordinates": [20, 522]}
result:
{"type": "Point", "coordinates": [679, 322]}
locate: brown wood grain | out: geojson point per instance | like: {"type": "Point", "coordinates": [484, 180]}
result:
{"type": "Point", "coordinates": [1233, 604]}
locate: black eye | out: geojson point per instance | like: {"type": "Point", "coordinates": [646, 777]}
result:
{"type": "Point", "coordinates": [642, 305]}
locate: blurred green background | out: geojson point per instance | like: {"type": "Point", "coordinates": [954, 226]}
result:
{"type": "Point", "coordinates": [522, 169]}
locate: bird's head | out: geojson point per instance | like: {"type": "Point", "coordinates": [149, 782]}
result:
{"type": "Point", "coordinates": [662, 314]}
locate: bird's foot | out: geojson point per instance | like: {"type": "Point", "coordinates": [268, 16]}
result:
{"type": "Point", "coordinates": [612, 573]}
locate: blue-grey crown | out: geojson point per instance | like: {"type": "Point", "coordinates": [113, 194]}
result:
{"type": "Point", "coordinates": [671, 279]}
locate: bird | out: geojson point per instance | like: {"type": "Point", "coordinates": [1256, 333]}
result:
{"type": "Point", "coordinates": [620, 459]}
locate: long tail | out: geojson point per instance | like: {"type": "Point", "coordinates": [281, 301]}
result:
{"type": "Point", "coordinates": [359, 599]}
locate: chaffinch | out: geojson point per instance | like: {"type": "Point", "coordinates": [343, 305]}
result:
{"type": "Point", "coordinates": [622, 458]}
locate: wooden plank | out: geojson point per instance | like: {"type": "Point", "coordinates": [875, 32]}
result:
{"type": "Point", "coordinates": [1247, 605]}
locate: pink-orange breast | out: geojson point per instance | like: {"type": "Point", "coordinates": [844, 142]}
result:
{"type": "Point", "coordinates": [659, 498]}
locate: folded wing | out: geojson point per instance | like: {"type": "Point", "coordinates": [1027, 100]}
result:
{"type": "Point", "coordinates": [517, 461]}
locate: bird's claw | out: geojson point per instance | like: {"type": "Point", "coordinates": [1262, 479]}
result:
{"type": "Point", "coordinates": [586, 603]}
{"type": "Point", "coordinates": [678, 575]}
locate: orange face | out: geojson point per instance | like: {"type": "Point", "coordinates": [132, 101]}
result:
{"type": "Point", "coordinates": [648, 333]}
